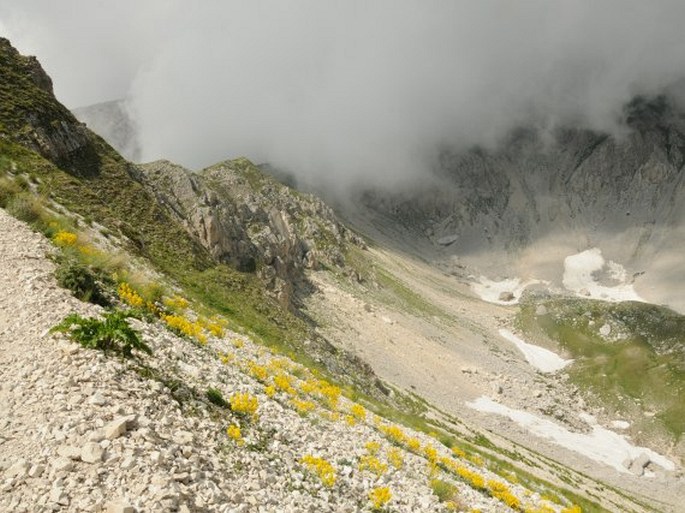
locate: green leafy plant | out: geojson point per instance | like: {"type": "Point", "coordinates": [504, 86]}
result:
{"type": "Point", "coordinates": [214, 396]}
{"type": "Point", "coordinates": [81, 281]}
{"type": "Point", "coordinates": [444, 490]}
{"type": "Point", "coordinates": [112, 333]}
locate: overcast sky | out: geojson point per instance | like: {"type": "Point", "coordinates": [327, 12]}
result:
{"type": "Point", "coordinates": [347, 90]}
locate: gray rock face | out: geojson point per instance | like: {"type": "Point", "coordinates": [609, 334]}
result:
{"type": "Point", "coordinates": [252, 222]}
{"type": "Point", "coordinates": [560, 193]}
{"type": "Point", "coordinates": [38, 120]}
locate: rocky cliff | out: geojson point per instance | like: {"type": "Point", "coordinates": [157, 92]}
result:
{"type": "Point", "coordinates": [522, 208]}
{"type": "Point", "coordinates": [248, 220]}
{"type": "Point", "coordinates": [31, 116]}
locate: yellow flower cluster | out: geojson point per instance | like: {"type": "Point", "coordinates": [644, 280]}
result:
{"type": "Point", "coordinates": [176, 303]}
{"type": "Point", "coordinates": [185, 327]}
{"type": "Point", "coordinates": [414, 444]}
{"type": "Point", "coordinates": [244, 404]}
{"type": "Point", "coordinates": [471, 477]}
{"type": "Point", "coordinates": [372, 447]}
{"type": "Point", "coordinates": [430, 453]}
{"type": "Point", "coordinates": [270, 390]}
{"type": "Point", "coordinates": [234, 434]}
{"type": "Point", "coordinates": [331, 416]}
{"type": "Point", "coordinates": [501, 491]}
{"type": "Point", "coordinates": [372, 464]}
{"type": "Point", "coordinates": [458, 452]}
{"type": "Point", "coordinates": [130, 296]}
{"type": "Point", "coordinates": [226, 358]}
{"type": "Point", "coordinates": [309, 387]}
{"type": "Point", "coordinates": [302, 407]}
{"type": "Point", "coordinates": [321, 468]}
{"type": "Point", "coordinates": [358, 412]}
{"type": "Point", "coordinates": [393, 433]}
{"type": "Point", "coordinates": [379, 497]}
{"type": "Point", "coordinates": [216, 329]}
{"type": "Point", "coordinates": [257, 371]}
{"type": "Point", "coordinates": [322, 389]}
{"type": "Point", "coordinates": [330, 393]}
{"type": "Point", "coordinates": [395, 457]}
{"type": "Point", "coordinates": [572, 509]}
{"type": "Point", "coordinates": [64, 238]}
{"type": "Point", "coordinates": [350, 420]}
{"type": "Point", "coordinates": [283, 382]}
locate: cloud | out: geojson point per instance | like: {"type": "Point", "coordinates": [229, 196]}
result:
{"type": "Point", "coordinates": [346, 92]}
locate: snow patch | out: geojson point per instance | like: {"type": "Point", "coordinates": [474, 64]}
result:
{"type": "Point", "coordinates": [492, 291]}
{"type": "Point", "coordinates": [539, 357]}
{"type": "Point", "coordinates": [600, 444]}
{"type": "Point", "coordinates": [579, 277]}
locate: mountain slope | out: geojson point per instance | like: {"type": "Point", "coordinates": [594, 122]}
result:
{"type": "Point", "coordinates": [248, 220]}
{"type": "Point", "coordinates": [75, 169]}
{"type": "Point", "coordinates": [520, 209]}
{"type": "Point", "coordinates": [207, 348]}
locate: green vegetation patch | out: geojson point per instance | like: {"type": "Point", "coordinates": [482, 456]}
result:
{"type": "Point", "coordinates": [631, 354]}
{"type": "Point", "coordinates": [109, 334]}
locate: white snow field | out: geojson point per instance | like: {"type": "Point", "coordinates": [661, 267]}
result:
{"type": "Point", "coordinates": [600, 444]}
{"type": "Point", "coordinates": [542, 359]}
{"type": "Point", "coordinates": [579, 270]}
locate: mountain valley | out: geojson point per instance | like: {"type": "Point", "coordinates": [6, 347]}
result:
{"type": "Point", "coordinates": [518, 315]}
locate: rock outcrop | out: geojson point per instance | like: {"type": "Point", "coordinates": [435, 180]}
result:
{"type": "Point", "coordinates": [252, 222]}
{"type": "Point", "coordinates": [33, 117]}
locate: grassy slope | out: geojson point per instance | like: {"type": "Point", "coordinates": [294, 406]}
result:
{"type": "Point", "coordinates": [96, 182]}
{"type": "Point", "coordinates": [639, 367]}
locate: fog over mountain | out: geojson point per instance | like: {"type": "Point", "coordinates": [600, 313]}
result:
{"type": "Point", "coordinates": [353, 91]}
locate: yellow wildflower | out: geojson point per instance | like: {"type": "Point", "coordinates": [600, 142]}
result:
{"type": "Point", "coordinates": [176, 303]}
{"type": "Point", "coordinates": [372, 447]}
{"type": "Point", "coordinates": [358, 412]}
{"type": "Point", "coordinates": [379, 497]}
{"type": "Point", "coordinates": [244, 404]}
{"type": "Point", "coordinates": [372, 464]}
{"type": "Point", "coordinates": [283, 382]}
{"type": "Point", "coordinates": [130, 296]}
{"type": "Point", "coordinates": [64, 238]}
{"type": "Point", "coordinates": [321, 468]}
{"type": "Point", "coordinates": [233, 432]}
{"type": "Point", "coordinates": [395, 457]}
{"type": "Point", "coordinates": [302, 407]}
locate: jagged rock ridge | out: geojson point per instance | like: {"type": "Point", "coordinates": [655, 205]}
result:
{"type": "Point", "coordinates": [31, 115]}
{"type": "Point", "coordinates": [252, 222]}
